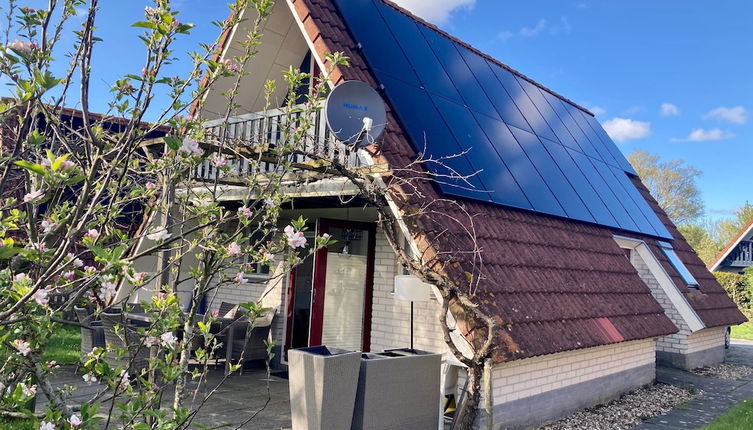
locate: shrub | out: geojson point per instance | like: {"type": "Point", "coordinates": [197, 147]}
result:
{"type": "Point", "coordinates": [738, 289]}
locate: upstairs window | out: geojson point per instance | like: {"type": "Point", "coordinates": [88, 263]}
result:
{"type": "Point", "coordinates": [678, 265]}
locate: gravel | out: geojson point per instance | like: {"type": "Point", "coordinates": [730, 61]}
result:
{"type": "Point", "coordinates": [724, 371]}
{"type": "Point", "coordinates": [627, 411]}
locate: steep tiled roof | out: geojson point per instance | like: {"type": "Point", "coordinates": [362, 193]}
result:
{"type": "Point", "coordinates": [710, 301]}
{"type": "Point", "coordinates": [553, 284]}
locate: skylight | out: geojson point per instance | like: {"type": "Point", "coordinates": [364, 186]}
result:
{"type": "Point", "coordinates": [677, 263]}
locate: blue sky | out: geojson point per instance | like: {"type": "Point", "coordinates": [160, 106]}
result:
{"type": "Point", "coordinates": [673, 77]}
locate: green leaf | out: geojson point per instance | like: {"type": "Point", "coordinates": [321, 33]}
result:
{"type": "Point", "coordinates": [173, 142]}
{"type": "Point", "coordinates": [8, 252]}
{"type": "Point", "coordinates": [33, 167]}
{"type": "Point", "coordinates": [75, 180]}
{"type": "Point", "coordinates": [144, 24]}
{"type": "Point", "coordinates": [56, 164]}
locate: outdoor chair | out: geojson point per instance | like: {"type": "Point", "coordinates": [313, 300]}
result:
{"type": "Point", "coordinates": [92, 332]}
{"type": "Point", "coordinates": [125, 337]}
{"type": "Point", "coordinates": [242, 349]}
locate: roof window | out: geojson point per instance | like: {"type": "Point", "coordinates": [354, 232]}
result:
{"type": "Point", "coordinates": [678, 265]}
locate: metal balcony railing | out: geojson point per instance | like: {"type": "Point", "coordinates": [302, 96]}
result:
{"type": "Point", "coordinates": [742, 255]}
{"type": "Point", "coordinates": [267, 128]}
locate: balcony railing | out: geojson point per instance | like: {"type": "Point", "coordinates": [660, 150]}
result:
{"type": "Point", "coordinates": [742, 255]}
{"type": "Point", "coordinates": [268, 128]}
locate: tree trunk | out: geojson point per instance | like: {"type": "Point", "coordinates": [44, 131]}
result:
{"type": "Point", "coordinates": [469, 408]}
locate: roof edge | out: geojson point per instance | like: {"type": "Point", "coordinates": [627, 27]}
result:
{"type": "Point", "coordinates": [730, 246]}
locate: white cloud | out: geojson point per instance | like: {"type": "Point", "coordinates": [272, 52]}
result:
{"type": "Point", "coordinates": [434, 11]}
{"type": "Point", "coordinates": [735, 115]}
{"type": "Point", "coordinates": [622, 129]}
{"type": "Point", "coordinates": [535, 30]}
{"type": "Point", "coordinates": [597, 110]}
{"type": "Point", "coordinates": [504, 35]}
{"type": "Point", "coordinates": [668, 109]}
{"type": "Point", "coordinates": [701, 135]}
{"type": "Point", "coordinates": [563, 27]}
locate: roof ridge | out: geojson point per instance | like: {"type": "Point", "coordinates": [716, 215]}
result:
{"type": "Point", "coordinates": [467, 45]}
{"type": "Point", "coordinates": [727, 248]}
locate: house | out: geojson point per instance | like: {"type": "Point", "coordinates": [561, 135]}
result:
{"type": "Point", "coordinates": [737, 255]}
{"type": "Point", "coordinates": [589, 281]}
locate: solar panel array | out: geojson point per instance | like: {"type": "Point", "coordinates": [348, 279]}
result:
{"type": "Point", "coordinates": [531, 149]}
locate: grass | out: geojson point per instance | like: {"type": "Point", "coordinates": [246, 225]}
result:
{"type": "Point", "coordinates": [739, 417]}
{"type": "Point", "coordinates": [64, 346]}
{"type": "Point", "coordinates": [18, 424]}
{"type": "Point", "coordinates": [743, 331]}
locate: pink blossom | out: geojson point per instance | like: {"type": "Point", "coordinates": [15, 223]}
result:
{"type": "Point", "coordinates": [41, 247]}
{"type": "Point", "coordinates": [74, 421]}
{"type": "Point", "coordinates": [295, 238]}
{"type": "Point", "coordinates": [239, 278]}
{"type": "Point", "coordinates": [67, 165]}
{"type": "Point", "coordinates": [33, 196]}
{"type": "Point", "coordinates": [89, 378]}
{"type": "Point", "coordinates": [245, 211]}
{"type": "Point", "coordinates": [27, 9]}
{"type": "Point", "coordinates": [215, 314]}
{"type": "Point", "coordinates": [219, 161]}
{"type": "Point", "coordinates": [40, 296]}
{"type": "Point", "coordinates": [69, 275]}
{"type": "Point", "coordinates": [108, 290]}
{"type": "Point", "coordinates": [232, 65]}
{"type": "Point", "coordinates": [23, 46]}
{"type": "Point", "coordinates": [168, 339]}
{"type": "Point", "coordinates": [22, 278]}
{"type": "Point", "coordinates": [234, 250]}
{"type": "Point", "coordinates": [90, 269]}
{"type": "Point", "coordinates": [44, 425]}
{"type": "Point", "coordinates": [151, 186]}
{"type": "Point", "coordinates": [191, 147]}
{"type": "Point", "coordinates": [158, 235]}
{"type": "Point", "coordinates": [92, 234]}
{"type": "Point", "coordinates": [126, 88]}
{"type": "Point", "coordinates": [139, 277]}
{"type": "Point", "coordinates": [150, 341]}
{"type": "Point", "coordinates": [29, 391]}
{"type": "Point", "coordinates": [48, 225]}
{"type": "Point", "coordinates": [22, 347]}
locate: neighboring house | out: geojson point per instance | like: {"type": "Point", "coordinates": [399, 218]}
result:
{"type": "Point", "coordinates": [737, 255]}
{"type": "Point", "coordinates": [589, 280]}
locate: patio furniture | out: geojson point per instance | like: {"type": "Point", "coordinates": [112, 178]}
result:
{"type": "Point", "coordinates": [125, 337]}
{"type": "Point", "coordinates": [398, 390]}
{"type": "Point", "coordinates": [92, 332]}
{"type": "Point", "coordinates": [252, 348]}
{"type": "Point", "coordinates": [323, 383]}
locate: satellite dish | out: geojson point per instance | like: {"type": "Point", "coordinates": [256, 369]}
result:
{"type": "Point", "coordinates": [355, 113]}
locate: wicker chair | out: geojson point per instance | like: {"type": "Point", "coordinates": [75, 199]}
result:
{"type": "Point", "coordinates": [92, 332]}
{"type": "Point", "coordinates": [135, 358]}
{"type": "Point", "coordinates": [243, 350]}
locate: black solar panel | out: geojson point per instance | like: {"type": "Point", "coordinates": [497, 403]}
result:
{"type": "Point", "coordinates": [529, 148]}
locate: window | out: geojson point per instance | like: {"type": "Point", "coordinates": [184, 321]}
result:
{"type": "Point", "coordinates": [677, 263]}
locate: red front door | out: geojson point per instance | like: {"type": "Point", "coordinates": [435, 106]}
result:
{"type": "Point", "coordinates": [330, 297]}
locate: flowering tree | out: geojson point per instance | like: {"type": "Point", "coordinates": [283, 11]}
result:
{"type": "Point", "coordinates": [86, 196]}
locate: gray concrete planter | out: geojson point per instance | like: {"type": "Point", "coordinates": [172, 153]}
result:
{"type": "Point", "coordinates": [323, 384]}
{"type": "Point", "coordinates": [398, 389]}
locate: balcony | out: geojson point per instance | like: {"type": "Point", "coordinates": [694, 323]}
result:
{"type": "Point", "coordinates": [267, 128]}
{"type": "Point", "coordinates": [741, 256]}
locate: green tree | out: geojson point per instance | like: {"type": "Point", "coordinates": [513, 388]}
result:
{"type": "Point", "coordinates": [672, 183]}
{"type": "Point", "coordinates": [729, 228]}
{"type": "Point", "coordinates": [702, 239]}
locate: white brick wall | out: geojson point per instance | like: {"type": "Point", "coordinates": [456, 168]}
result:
{"type": "Point", "coordinates": [390, 319]}
{"type": "Point", "coordinates": [684, 341]}
{"type": "Point", "coordinates": [706, 339]}
{"type": "Point", "coordinates": [525, 378]}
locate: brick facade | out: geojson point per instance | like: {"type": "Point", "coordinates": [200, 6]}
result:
{"type": "Point", "coordinates": [685, 348]}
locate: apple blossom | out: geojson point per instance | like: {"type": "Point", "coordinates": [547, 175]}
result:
{"type": "Point", "coordinates": [191, 147]}
{"type": "Point", "coordinates": [22, 46]}
{"type": "Point", "coordinates": [69, 275]}
{"type": "Point", "coordinates": [158, 235]}
{"type": "Point", "coordinates": [219, 161]}
{"type": "Point", "coordinates": [246, 211]}
{"type": "Point", "coordinates": [29, 391]}
{"type": "Point", "coordinates": [74, 421]}
{"type": "Point", "coordinates": [40, 296]}
{"type": "Point", "coordinates": [150, 341]}
{"type": "Point", "coordinates": [33, 196]}
{"type": "Point", "coordinates": [44, 425]}
{"type": "Point", "coordinates": [232, 65]}
{"type": "Point", "coordinates": [151, 185]}
{"type": "Point", "coordinates": [89, 378]}
{"type": "Point", "coordinates": [234, 250]}
{"type": "Point", "coordinates": [168, 339]}
{"type": "Point", "coordinates": [22, 347]}
{"type": "Point", "coordinates": [48, 225]}
{"type": "Point", "coordinates": [92, 234]}
{"type": "Point", "coordinates": [296, 239]}
{"type": "Point", "coordinates": [239, 278]}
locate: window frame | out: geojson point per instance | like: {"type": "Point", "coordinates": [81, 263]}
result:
{"type": "Point", "coordinates": [678, 265]}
